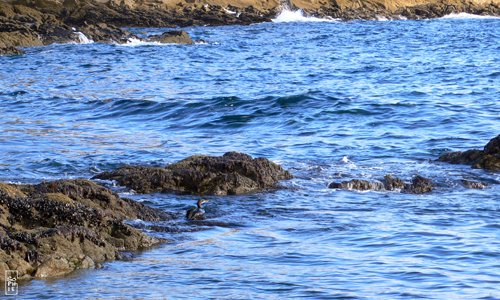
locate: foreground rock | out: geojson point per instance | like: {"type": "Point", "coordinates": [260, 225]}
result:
{"type": "Point", "coordinates": [51, 229]}
{"type": "Point", "coordinates": [418, 185]}
{"type": "Point", "coordinates": [231, 174]}
{"type": "Point", "coordinates": [488, 158]}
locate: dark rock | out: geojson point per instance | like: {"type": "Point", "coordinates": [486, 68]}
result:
{"type": "Point", "coordinates": [172, 37]}
{"type": "Point", "coordinates": [53, 228]}
{"type": "Point", "coordinates": [473, 184]}
{"type": "Point", "coordinates": [392, 183]}
{"type": "Point", "coordinates": [488, 158]}
{"type": "Point", "coordinates": [230, 174]}
{"type": "Point", "coordinates": [105, 33]}
{"type": "Point", "coordinates": [10, 51]}
{"type": "Point", "coordinates": [357, 184]}
{"type": "Point", "coordinates": [493, 146]}
{"type": "Point", "coordinates": [419, 185]}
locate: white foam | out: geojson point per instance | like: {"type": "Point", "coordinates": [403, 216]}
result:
{"type": "Point", "coordinates": [381, 18]}
{"type": "Point", "coordinates": [133, 42]}
{"type": "Point", "coordinates": [462, 15]}
{"type": "Point", "coordinates": [229, 12]}
{"type": "Point", "coordinates": [287, 16]}
{"type": "Point", "coordinates": [82, 38]}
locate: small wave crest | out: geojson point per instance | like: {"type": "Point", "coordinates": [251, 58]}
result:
{"type": "Point", "coordinates": [287, 15]}
{"type": "Point", "coordinates": [462, 15]}
{"type": "Point", "coordinates": [82, 38]}
{"type": "Point", "coordinates": [135, 42]}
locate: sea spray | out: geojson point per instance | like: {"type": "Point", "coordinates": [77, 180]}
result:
{"type": "Point", "coordinates": [461, 16]}
{"type": "Point", "coordinates": [288, 15]}
{"type": "Point", "coordinates": [82, 38]}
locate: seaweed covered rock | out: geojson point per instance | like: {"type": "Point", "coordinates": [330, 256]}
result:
{"type": "Point", "coordinates": [418, 185]}
{"type": "Point", "coordinates": [231, 174]}
{"type": "Point", "coordinates": [53, 228]}
{"type": "Point", "coordinates": [488, 158]}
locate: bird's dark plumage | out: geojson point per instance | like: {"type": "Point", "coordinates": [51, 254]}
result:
{"type": "Point", "coordinates": [196, 213]}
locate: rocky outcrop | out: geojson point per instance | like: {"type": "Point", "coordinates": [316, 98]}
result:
{"type": "Point", "coordinates": [418, 185]}
{"type": "Point", "coordinates": [172, 37]}
{"type": "Point", "coordinates": [488, 158]}
{"type": "Point", "coordinates": [231, 174]}
{"type": "Point", "coordinates": [106, 33]}
{"type": "Point", "coordinates": [37, 24]}
{"type": "Point", "coordinates": [53, 228]}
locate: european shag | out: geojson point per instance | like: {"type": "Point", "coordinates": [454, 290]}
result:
{"type": "Point", "coordinates": [196, 213]}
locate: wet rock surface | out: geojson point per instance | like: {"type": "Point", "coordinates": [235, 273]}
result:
{"type": "Point", "coordinates": [488, 158]}
{"type": "Point", "coordinates": [231, 174]}
{"type": "Point", "coordinates": [418, 185]}
{"type": "Point", "coordinates": [53, 228]}
{"type": "Point", "coordinates": [172, 37]}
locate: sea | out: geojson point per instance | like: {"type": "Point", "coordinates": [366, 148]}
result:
{"type": "Point", "coordinates": [328, 100]}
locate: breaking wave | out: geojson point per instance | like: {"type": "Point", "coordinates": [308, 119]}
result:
{"type": "Point", "coordinates": [287, 16]}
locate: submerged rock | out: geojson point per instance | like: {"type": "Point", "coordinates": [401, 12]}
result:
{"type": "Point", "coordinates": [231, 174]}
{"type": "Point", "coordinates": [392, 183]}
{"type": "Point", "coordinates": [488, 158]}
{"type": "Point", "coordinates": [419, 185]}
{"type": "Point", "coordinates": [172, 37]}
{"type": "Point", "coordinates": [53, 228]}
{"type": "Point", "coordinates": [473, 184]}
{"type": "Point", "coordinates": [357, 184]}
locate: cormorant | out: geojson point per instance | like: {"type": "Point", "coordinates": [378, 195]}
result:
{"type": "Point", "coordinates": [196, 213]}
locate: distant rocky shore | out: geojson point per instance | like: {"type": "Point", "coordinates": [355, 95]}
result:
{"type": "Point", "coordinates": [25, 23]}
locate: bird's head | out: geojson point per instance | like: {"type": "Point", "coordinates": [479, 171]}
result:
{"type": "Point", "coordinates": [201, 202]}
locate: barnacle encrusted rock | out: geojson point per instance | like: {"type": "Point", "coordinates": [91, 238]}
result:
{"type": "Point", "coordinates": [53, 228]}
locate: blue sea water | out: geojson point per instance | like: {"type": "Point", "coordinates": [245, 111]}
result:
{"type": "Point", "coordinates": [330, 101]}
